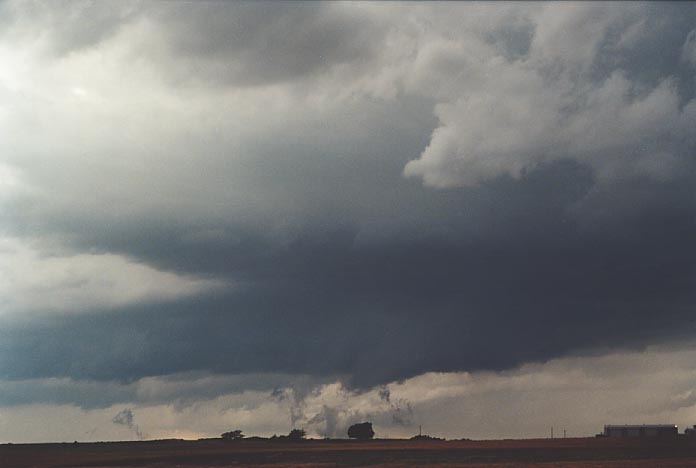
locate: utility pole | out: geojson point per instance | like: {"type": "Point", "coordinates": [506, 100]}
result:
{"type": "Point", "coordinates": [552, 432]}
{"type": "Point", "coordinates": [420, 431]}
{"type": "Point", "coordinates": [564, 433]}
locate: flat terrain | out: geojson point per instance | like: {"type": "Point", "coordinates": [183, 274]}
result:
{"type": "Point", "coordinates": [574, 453]}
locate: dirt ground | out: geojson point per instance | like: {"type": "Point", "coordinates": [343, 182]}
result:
{"type": "Point", "coordinates": [572, 453]}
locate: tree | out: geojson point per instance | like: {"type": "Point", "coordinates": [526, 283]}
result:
{"type": "Point", "coordinates": [361, 431]}
{"type": "Point", "coordinates": [233, 435]}
{"type": "Point", "coordinates": [297, 434]}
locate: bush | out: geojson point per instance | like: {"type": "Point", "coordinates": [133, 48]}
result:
{"type": "Point", "coordinates": [361, 431]}
{"type": "Point", "coordinates": [233, 435]}
{"type": "Point", "coordinates": [426, 437]}
{"type": "Point", "coordinates": [296, 434]}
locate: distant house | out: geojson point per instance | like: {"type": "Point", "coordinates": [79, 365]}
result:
{"type": "Point", "coordinates": [644, 430]}
{"type": "Point", "coordinates": [690, 431]}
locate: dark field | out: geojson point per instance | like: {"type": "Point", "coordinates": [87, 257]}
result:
{"type": "Point", "coordinates": [587, 452]}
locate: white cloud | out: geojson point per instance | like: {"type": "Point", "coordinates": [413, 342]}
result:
{"type": "Point", "coordinates": [501, 117]}
{"type": "Point", "coordinates": [33, 281]}
{"type": "Point", "coordinates": [504, 126]}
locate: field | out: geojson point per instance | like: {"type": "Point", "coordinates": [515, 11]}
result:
{"type": "Point", "coordinates": [573, 453]}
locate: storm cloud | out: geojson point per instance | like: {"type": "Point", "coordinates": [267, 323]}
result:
{"type": "Point", "coordinates": [359, 192]}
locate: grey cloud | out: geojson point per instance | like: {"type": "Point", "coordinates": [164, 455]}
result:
{"type": "Point", "coordinates": [253, 44]}
{"type": "Point", "coordinates": [334, 421]}
{"type": "Point", "coordinates": [689, 48]}
{"type": "Point", "coordinates": [382, 313]}
{"type": "Point", "coordinates": [344, 267]}
{"type": "Point", "coordinates": [178, 390]}
{"type": "Point", "coordinates": [294, 397]}
{"type": "Point", "coordinates": [64, 27]}
{"type": "Point", "coordinates": [335, 415]}
{"type": "Point", "coordinates": [328, 417]}
{"type": "Point", "coordinates": [244, 44]}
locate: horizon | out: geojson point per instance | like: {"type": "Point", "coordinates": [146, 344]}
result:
{"type": "Point", "coordinates": [254, 438]}
{"type": "Point", "coordinates": [426, 438]}
{"type": "Point", "coordinates": [474, 217]}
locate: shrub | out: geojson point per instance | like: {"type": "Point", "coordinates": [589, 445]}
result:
{"type": "Point", "coordinates": [361, 431]}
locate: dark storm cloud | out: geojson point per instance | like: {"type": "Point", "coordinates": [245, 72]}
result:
{"type": "Point", "coordinates": [527, 284]}
{"type": "Point", "coordinates": [341, 266]}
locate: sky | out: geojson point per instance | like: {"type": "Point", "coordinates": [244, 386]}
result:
{"type": "Point", "coordinates": [474, 217]}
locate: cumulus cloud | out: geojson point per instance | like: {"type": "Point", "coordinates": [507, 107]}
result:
{"type": "Point", "coordinates": [509, 131]}
{"type": "Point", "coordinates": [506, 117]}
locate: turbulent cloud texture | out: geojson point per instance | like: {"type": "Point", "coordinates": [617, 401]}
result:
{"type": "Point", "coordinates": [578, 395]}
{"type": "Point", "coordinates": [353, 192]}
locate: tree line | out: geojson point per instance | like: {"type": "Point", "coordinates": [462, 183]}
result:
{"type": "Point", "coordinates": [359, 431]}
